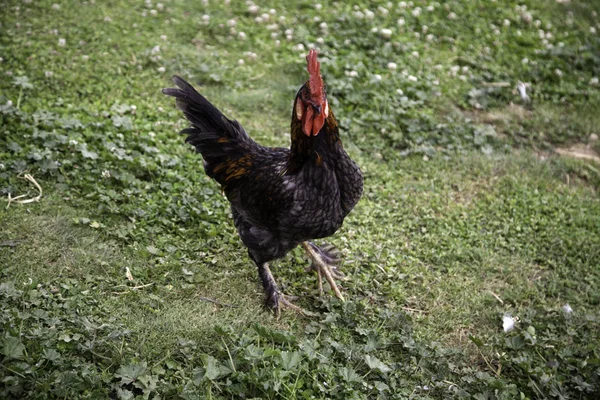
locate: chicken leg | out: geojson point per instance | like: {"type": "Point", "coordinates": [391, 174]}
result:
{"type": "Point", "coordinates": [275, 299]}
{"type": "Point", "coordinates": [325, 261]}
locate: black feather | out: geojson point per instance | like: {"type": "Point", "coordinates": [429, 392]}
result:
{"type": "Point", "coordinates": [215, 136]}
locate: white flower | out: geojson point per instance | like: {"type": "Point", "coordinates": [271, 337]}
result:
{"type": "Point", "coordinates": [163, 37]}
{"type": "Point", "coordinates": [392, 66]}
{"type": "Point", "coordinates": [272, 11]}
{"type": "Point", "coordinates": [231, 22]}
{"type": "Point", "coordinates": [73, 142]}
{"type": "Point", "coordinates": [358, 14]}
{"type": "Point", "coordinates": [323, 26]}
{"type": "Point", "coordinates": [594, 81]}
{"type": "Point", "coordinates": [415, 54]}
{"type": "Point", "coordinates": [161, 69]}
{"type": "Point", "coordinates": [153, 13]}
{"type": "Point", "coordinates": [592, 29]}
{"type": "Point", "coordinates": [383, 11]}
{"type": "Point", "coordinates": [241, 62]}
{"type": "Point", "coordinates": [558, 72]}
{"type": "Point", "coordinates": [277, 43]}
{"type": "Point", "coordinates": [206, 19]}
{"type": "Point", "coordinates": [298, 47]}
{"type": "Point", "coordinates": [242, 36]}
{"type": "Point", "coordinates": [62, 42]}
{"type": "Point", "coordinates": [155, 50]}
{"type": "Point", "coordinates": [412, 78]}
{"type": "Point", "coordinates": [352, 74]}
{"type": "Point", "coordinates": [258, 20]}
{"type": "Point", "coordinates": [452, 15]}
{"type": "Point", "coordinates": [56, 6]}
{"type": "Point", "coordinates": [377, 78]}
{"type": "Point", "coordinates": [567, 309]}
{"type": "Point", "coordinates": [537, 23]}
{"type": "Point", "coordinates": [160, 6]}
{"type": "Point", "coordinates": [399, 92]}
{"type": "Point", "coordinates": [430, 8]}
{"type": "Point", "coordinates": [318, 6]}
{"type": "Point", "coordinates": [525, 60]}
{"type": "Point", "coordinates": [253, 9]}
{"type": "Point", "coordinates": [386, 33]}
{"type": "Point", "coordinates": [402, 4]}
{"type": "Point", "coordinates": [416, 12]}
{"type": "Point", "coordinates": [374, 30]}
{"type": "Point", "coordinates": [85, 57]}
{"type": "Point", "coordinates": [107, 19]}
{"type": "Point", "coordinates": [429, 38]}
{"type": "Point", "coordinates": [508, 323]}
{"type": "Point", "coordinates": [401, 22]}
{"type": "Point", "coordinates": [320, 40]}
{"type": "Point", "coordinates": [369, 14]}
{"type": "Point", "coordinates": [2, 167]}
{"type": "Point", "coordinates": [250, 55]}
{"type": "Point", "coordinates": [48, 74]}
{"type": "Point", "coordinates": [506, 22]}
{"type": "Point", "coordinates": [106, 174]}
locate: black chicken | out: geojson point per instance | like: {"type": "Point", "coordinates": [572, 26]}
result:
{"type": "Point", "coordinates": [279, 197]}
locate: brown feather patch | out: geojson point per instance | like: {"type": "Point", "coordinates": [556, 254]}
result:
{"type": "Point", "coordinates": [315, 82]}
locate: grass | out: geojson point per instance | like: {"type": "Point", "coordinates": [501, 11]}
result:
{"type": "Point", "coordinates": [468, 214]}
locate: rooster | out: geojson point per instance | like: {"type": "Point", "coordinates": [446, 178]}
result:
{"type": "Point", "coordinates": [280, 198]}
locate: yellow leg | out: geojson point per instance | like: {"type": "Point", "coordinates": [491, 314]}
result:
{"type": "Point", "coordinates": [323, 269]}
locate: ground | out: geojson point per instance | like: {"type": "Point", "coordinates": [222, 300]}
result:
{"type": "Point", "coordinates": [127, 279]}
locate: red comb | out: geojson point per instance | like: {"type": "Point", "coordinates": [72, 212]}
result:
{"type": "Point", "coordinates": [315, 83]}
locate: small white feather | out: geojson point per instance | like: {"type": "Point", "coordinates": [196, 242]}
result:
{"type": "Point", "coordinates": [508, 323]}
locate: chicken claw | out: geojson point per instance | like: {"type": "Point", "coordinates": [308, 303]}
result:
{"type": "Point", "coordinates": [276, 300]}
{"type": "Point", "coordinates": [325, 261]}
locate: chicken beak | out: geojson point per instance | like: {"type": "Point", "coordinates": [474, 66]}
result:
{"type": "Point", "coordinates": [313, 119]}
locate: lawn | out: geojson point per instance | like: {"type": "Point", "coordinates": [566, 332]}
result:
{"type": "Point", "coordinates": [475, 125]}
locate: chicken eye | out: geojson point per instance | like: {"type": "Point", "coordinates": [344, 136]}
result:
{"type": "Point", "coordinates": [299, 109]}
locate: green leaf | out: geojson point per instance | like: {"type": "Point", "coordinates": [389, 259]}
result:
{"type": "Point", "coordinates": [23, 82]}
{"type": "Point", "coordinates": [289, 360]}
{"type": "Point", "coordinates": [478, 342]}
{"type": "Point", "coordinates": [89, 154]}
{"type": "Point", "coordinates": [124, 394]}
{"type": "Point", "coordinates": [13, 348]}
{"type": "Point", "coordinates": [130, 373]}
{"type": "Point", "coordinates": [375, 363]}
{"type": "Point", "coordinates": [212, 367]}
{"type": "Point", "coordinates": [153, 250]}
{"type": "Point", "coordinates": [349, 375]}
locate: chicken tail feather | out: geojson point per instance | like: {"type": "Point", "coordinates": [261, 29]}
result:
{"type": "Point", "coordinates": [219, 139]}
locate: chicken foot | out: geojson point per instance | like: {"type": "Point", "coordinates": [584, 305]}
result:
{"type": "Point", "coordinates": [275, 299]}
{"type": "Point", "coordinates": [325, 261]}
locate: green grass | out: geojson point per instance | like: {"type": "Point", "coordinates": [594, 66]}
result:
{"type": "Point", "coordinates": [468, 214]}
